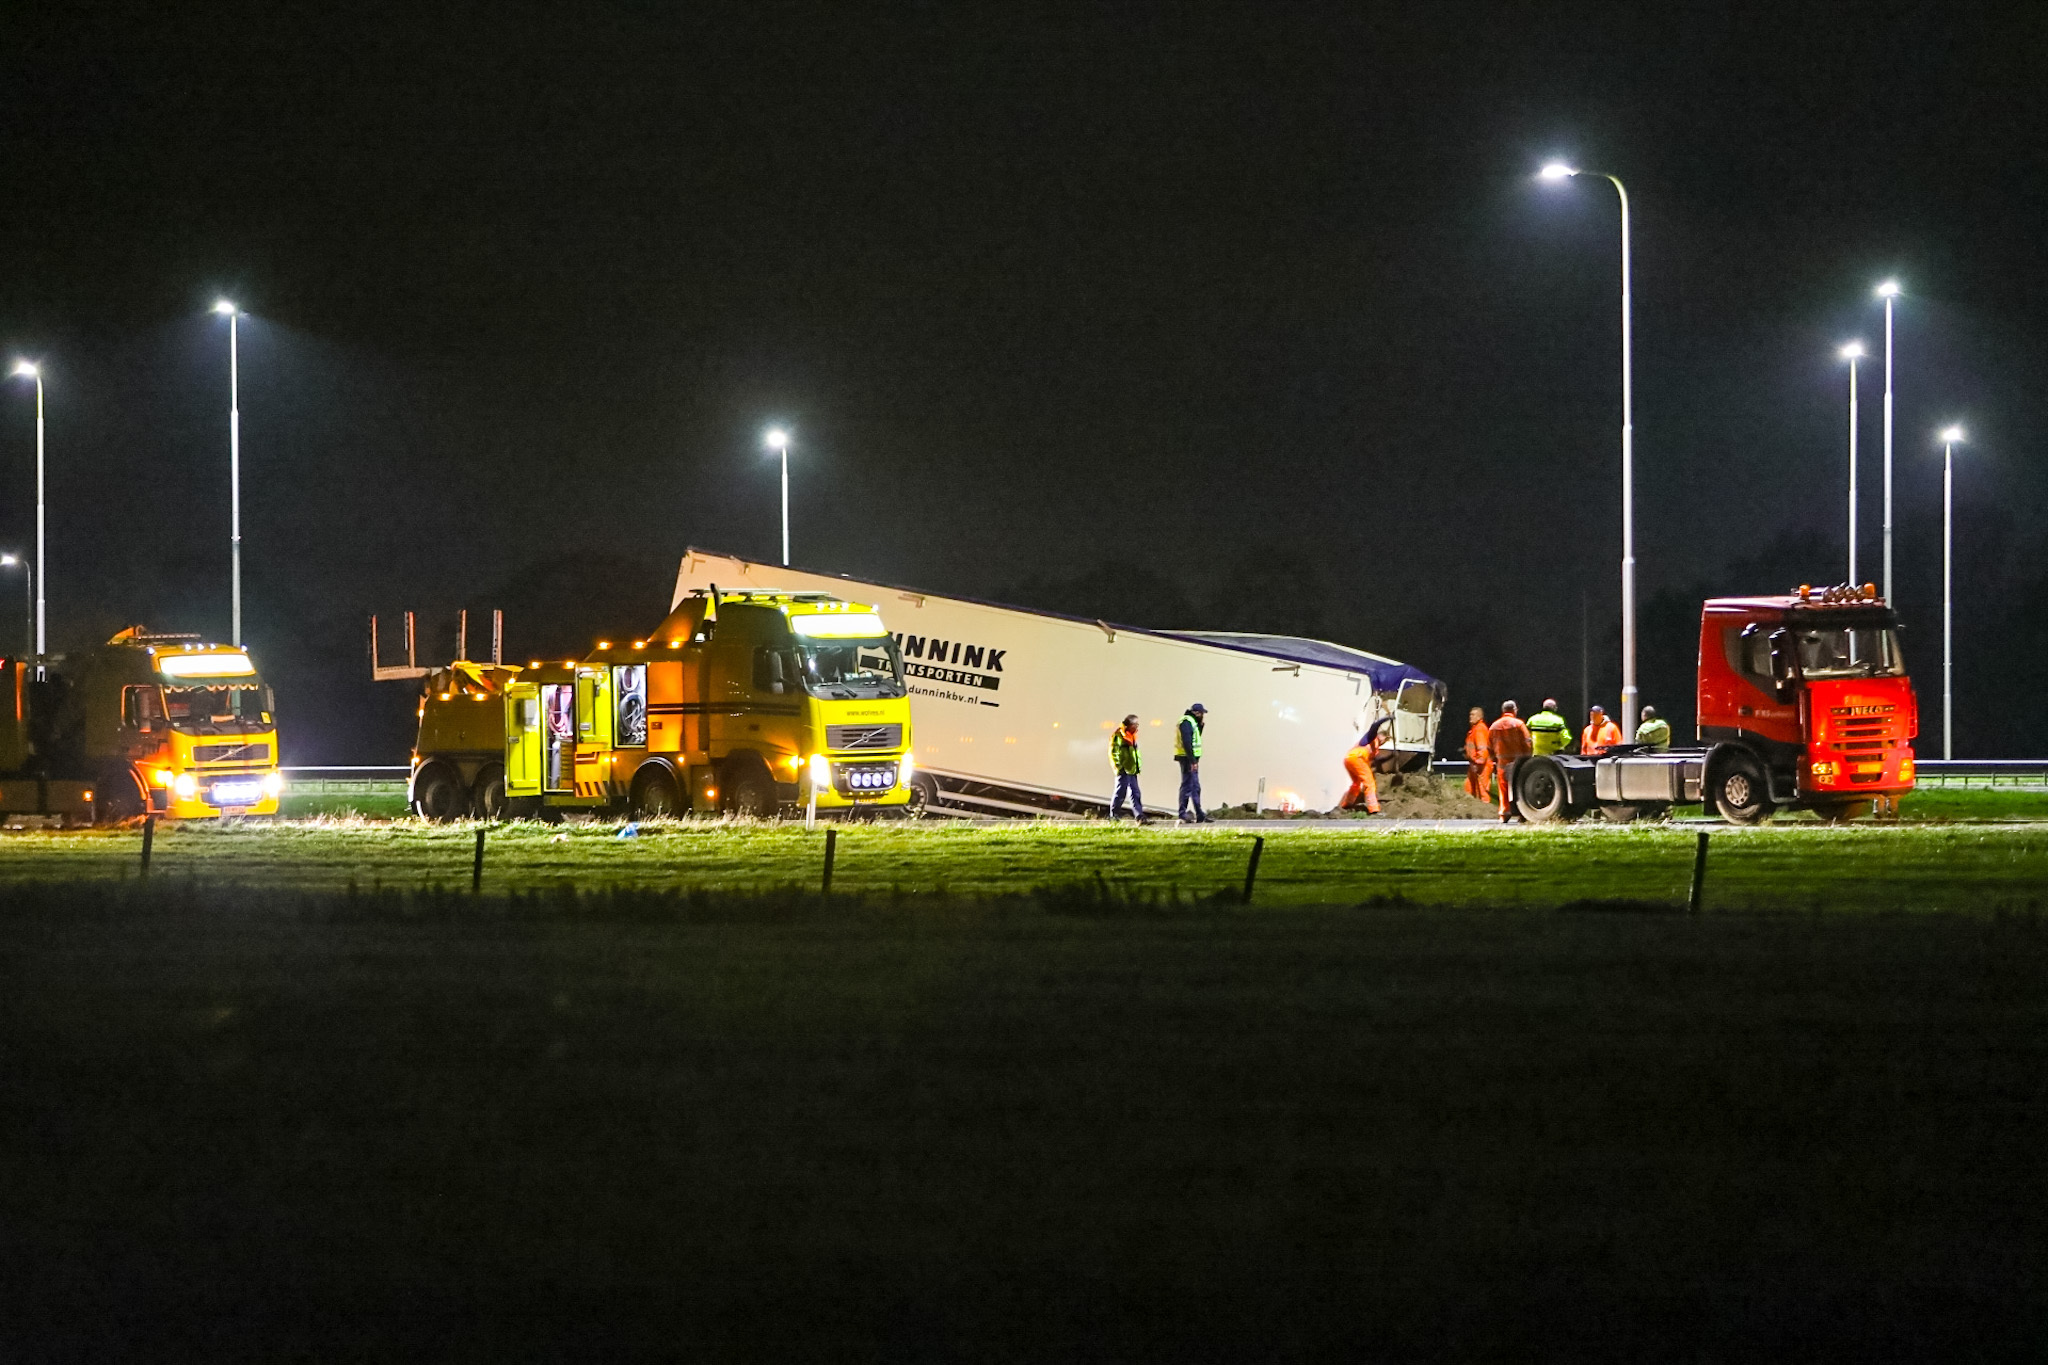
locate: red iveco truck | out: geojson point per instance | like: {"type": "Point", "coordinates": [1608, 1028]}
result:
{"type": "Point", "coordinates": [1804, 703]}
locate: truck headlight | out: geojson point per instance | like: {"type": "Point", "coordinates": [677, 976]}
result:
{"type": "Point", "coordinates": [905, 768]}
{"type": "Point", "coordinates": [273, 784]}
{"type": "Point", "coordinates": [161, 777]}
{"type": "Point", "coordinates": [186, 785]}
{"type": "Point", "coordinates": [821, 771]}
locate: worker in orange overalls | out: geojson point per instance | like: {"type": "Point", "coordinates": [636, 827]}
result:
{"type": "Point", "coordinates": [1600, 735]}
{"type": "Point", "coordinates": [1509, 740]}
{"type": "Point", "coordinates": [1478, 757]}
{"type": "Point", "coordinates": [1358, 762]}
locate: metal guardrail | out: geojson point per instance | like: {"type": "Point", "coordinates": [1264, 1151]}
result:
{"type": "Point", "coordinates": [2007, 774]}
{"type": "Point", "coordinates": [357, 780]}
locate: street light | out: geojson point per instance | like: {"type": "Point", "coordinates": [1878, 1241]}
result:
{"type": "Point", "coordinates": [25, 370]}
{"type": "Point", "coordinates": [778, 439]}
{"type": "Point", "coordinates": [1556, 172]}
{"type": "Point", "coordinates": [233, 315]}
{"type": "Point", "coordinates": [1888, 291]}
{"type": "Point", "coordinates": [9, 560]}
{"type": "Point", "coordinates": [1951, 437]}
{"type": "Point", "coordinates": [1852, 353]}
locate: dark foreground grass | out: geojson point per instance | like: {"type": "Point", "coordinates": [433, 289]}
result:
{"type": "Point", "coordinates": [288, 1124]}
{"type": "Point", "coordinates": [1861, 868]}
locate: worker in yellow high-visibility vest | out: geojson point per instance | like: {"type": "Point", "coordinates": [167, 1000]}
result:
{"type": "Point", "coordinates": [1549, 732]}
{"type": "Point", "coordinates": [1187, 751]}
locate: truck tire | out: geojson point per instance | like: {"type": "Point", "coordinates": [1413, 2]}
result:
{"type": "Point", "coordinates": [437, 794]}
{"type": "Point", "coordinates": [487, 800]}
{"type": "Point", "coordinates": [1542, 792]}
{"type": "Point", "coordinates": [1738, 790]}
{"type": "Point", "coordinates": [655, 795]}
{"type": "Point", "coordinates": [924, 796]}
{"type": "Point", "coordinates": [747, 789]}
{"type": "Point", "coordinates": [118, 796]}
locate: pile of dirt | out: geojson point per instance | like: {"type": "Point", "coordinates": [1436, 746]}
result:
{"type": "Point", "coordinates": [1417, 796]}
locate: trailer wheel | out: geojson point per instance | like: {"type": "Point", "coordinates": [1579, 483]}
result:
{"type": "Point", "coordinates": [1739, 792]}
{"type": "Point", "coordinates": [924, 796]}
{"type": "Point", "coordinates": [437, 794]}
{"type": "Point", "coordinates": [1542, 792]}
{"type": "Point", "coordinates": [487, 802]}
{"type": "Point", "coordinates": [654, 794]}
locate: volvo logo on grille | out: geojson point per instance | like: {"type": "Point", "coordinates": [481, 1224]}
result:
{"type": "Point", "coordinates": [863, 736]}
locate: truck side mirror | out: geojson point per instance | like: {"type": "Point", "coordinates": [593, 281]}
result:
{"type": "Point", "coordinates": [1782, 663]}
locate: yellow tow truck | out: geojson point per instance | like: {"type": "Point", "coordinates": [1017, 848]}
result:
{"type": "Point", "coordinates": [751, 703]}
{"type": "Point", "coordinates": [146, 723]}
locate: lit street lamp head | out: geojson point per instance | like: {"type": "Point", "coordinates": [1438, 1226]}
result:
{"type": "Point", "coordinates": [776, 438]}
{"type": "Point", "coordinates": [1853, 351]}
{"type": "Point", "coordinates": [8, 561]}
{"type": "Point", "coordinates": [1557, 170]}
{"type": "Point", "coordinates": [1888, 290]}
{"type": "Point", "coordinates": [1952, 435]}
{"type": "Point", "coordinates": [224, 308]}
{"type": "Point", "coordinates": [24, 370]}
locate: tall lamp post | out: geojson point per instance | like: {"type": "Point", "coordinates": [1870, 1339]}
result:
{"type": "Point", "coordinates": [1852, 353]}
{"type": "Point", "coordinates": [28, 614]}
{"type": "Point", "coordinates": [24, 370]}
{"type": "Point", "coordinates": [1951, 437]}
{"type": "Point", "coordinates": [1559, 171]}
{"type": "Point", "coordinates": [1888, 291]}
{"type": "Point", "coordinates": [234, 317]}
{"type": "Point", "coordinates": [778, 439]}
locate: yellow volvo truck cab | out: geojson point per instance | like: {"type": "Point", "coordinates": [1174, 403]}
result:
{"type": "Point", "coordinates": [750, 703]}
{"type": "Point", "coordinates": [164, 724]}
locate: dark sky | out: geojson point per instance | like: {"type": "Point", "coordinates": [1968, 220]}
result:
{"type": "Point", "coordinates": [1257, 296]}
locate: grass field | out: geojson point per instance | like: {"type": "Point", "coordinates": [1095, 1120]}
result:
{"type": "Point", "coordinates": [1928, 803]}
{"type": "Point", "coordinates": [300, 1125]}
{"type": "Point", "coordinates": [1861, 868]}
{"type": "Point", "coordinates": [1023, 1091]}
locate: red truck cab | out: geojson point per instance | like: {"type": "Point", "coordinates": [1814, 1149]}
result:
{"type": "Point", "coordinates": [1806, 701]}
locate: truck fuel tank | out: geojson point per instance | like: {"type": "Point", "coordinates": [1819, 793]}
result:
{"type": "Point", "coordinates": [1663, 778]}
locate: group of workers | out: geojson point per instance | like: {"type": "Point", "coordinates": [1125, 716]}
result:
{"type": "Point", "coordinates": [1492, 752]}
{"type": "Point", "coordinates": [1187, 752]}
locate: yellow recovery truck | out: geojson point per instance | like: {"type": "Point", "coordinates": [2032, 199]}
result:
{"type": "Point", "coordinates": [751, 703]}
{"type": "Point", "coordinates": [142, 724]}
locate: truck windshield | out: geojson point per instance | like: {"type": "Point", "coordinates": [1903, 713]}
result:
{"type": "Point", "coordinates": [1849, 652]}
{"type": "Point", "coordinates": [851, 670]}
{"type": "Point", "coordinates": [223, 707]}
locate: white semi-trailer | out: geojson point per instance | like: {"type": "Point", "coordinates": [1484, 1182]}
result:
{"type": "Point", "coordinates": [1012, 709]}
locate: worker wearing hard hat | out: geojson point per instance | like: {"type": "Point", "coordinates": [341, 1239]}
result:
{"type": "Point", "coordinates": [1600, 735]}
{"type": "Point", "coordinates": [1509, 740]}
{"type": "Point", "coordinates": [1187, 751]}
{"type": "Point", "coordinates": [1123, 756]}
{"type": "Point", "coordinates": [1478, 756]}
{"type": "Point", "coordinates": [1655, 731]}
{"type": "Point", "coordinates": [1549, 732]}
{"type": "Point", "coordinates": [1365, 788]}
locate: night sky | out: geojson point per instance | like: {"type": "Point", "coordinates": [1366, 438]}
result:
{"type": "Point", "coordinates": [1190, 316]}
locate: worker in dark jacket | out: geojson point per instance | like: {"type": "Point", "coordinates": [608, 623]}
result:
{"type": "Point", "coordinates": [1123, 756]}
{"type": "Point", "coordinates": [1187, 751]}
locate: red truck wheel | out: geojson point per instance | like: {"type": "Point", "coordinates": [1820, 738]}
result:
{"type": "Point", "coordinates": [1739, 792]}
